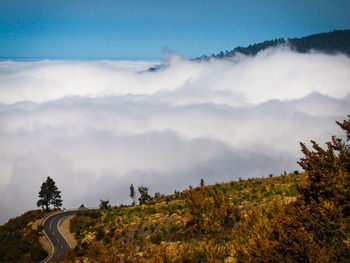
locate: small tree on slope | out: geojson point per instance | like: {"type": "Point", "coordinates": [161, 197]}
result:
{"type": "Point", "coordinates": [144, 196]}
{"type": "Point", "coordinates": [132, 194]}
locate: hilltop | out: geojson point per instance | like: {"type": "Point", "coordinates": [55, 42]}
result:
{"type": "Point", "coordinates": [334, 42]}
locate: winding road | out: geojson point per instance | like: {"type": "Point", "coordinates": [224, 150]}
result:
{"type": "Point", "coordinates": [59, 244]}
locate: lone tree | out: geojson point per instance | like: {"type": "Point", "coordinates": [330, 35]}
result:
{"type": "Point", "coordinates": [132, 194]}
{"type": "Point", "coordinates": [49, 195]}
{"type": "Point", "coordinates": [144, 196]}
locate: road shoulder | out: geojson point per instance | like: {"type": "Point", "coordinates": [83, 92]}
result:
{"type": "Point", "coordinates": [64, 229]}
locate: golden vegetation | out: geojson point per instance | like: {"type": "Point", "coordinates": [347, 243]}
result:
{"type": "Point", "coordinates": [290, 218]}
{"type": "Point", "coordinates": [192, 226]}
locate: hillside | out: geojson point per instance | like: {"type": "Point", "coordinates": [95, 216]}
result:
{"type": "Point", "coordinates": [289, 218]}
{"type": "Point", "coordinates": [162, 224]}
{"type": "Point", "coordinates": [19, 242]}
{"type": "Point", "coordinates": [296, 217]}
{"type": "Point", "coordinates": [337, 41]}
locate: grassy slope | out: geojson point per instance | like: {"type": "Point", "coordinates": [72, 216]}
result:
{"type": "Point", "coordinates": [162, 223]}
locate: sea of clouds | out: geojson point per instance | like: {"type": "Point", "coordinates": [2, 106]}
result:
{"type": "Point", "coordinates": [95, 127]}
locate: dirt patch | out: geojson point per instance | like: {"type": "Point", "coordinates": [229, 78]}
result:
{"type": "Point", "coordinates": [64, 228]}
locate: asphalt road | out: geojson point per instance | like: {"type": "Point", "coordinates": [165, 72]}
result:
{"type": "Point", "coordinates": [59, 243]}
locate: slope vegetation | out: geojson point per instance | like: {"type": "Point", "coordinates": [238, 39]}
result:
{"type": "Point", "coordinates": [19, 242]}
{"type": "Point", "coordinates": [290, 218]}
{"type": "Point", "coordinates": [176, 226]}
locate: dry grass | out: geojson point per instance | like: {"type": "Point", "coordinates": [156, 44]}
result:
{"type": "Point", "coordinates": [64, 228]}
{"type": "Point", "coordinates": [45, 243]}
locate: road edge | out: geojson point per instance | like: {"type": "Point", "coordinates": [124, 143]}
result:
{"type": "Point", "coordinates": [59, 229]}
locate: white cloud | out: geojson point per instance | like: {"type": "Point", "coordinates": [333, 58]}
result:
{"type": "Point", "coordinates": [98, 126]}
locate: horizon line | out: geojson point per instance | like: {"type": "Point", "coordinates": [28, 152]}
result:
{"type": "Point", "coordinates": [38, 58]}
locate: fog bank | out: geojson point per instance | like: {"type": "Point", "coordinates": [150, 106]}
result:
{"type": "Point", "coordinates": [96, 127]}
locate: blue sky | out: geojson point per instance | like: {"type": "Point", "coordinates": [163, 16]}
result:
{"type": "Point", "coordinates": [144, 29]}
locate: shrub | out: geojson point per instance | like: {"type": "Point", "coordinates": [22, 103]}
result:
{"type": "Point", "coordinates": [211, 217]}
{"type": "Point", "coordinates": [315, 228]}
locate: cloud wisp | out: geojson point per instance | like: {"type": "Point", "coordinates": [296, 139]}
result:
{"type": "Point", "coordinates": [98, 126]}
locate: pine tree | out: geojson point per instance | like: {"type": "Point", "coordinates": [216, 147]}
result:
{"type": "Point", "coordinates": [49, 195]}
{"type": "Point", "coordinates": [132, 194]}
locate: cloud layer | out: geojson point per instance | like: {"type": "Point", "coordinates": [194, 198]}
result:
{"type": "Point", "coordinates": [98, 126]}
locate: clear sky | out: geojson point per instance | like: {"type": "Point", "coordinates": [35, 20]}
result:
{"type": "Point", "coordinates": [129, 29]}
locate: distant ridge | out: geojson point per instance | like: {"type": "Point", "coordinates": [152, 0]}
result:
{"type": "Point", "coordinates": [337, 41]}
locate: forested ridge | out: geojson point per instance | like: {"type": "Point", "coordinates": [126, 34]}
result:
{"type": "Point", "coordinates": [337, 41]}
